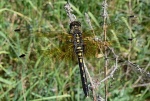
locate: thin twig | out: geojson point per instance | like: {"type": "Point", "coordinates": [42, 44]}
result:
{"type": "Point", "coordinates": [69, 11]}
{"type": "Point", "coordinates": [91, 81]}
{"type": "Point", "coordinates": [141, 85]}
{"type": "Point", "coordinates": [144, 74]}
{"type": "Point", "coordinates": [130, 35]}
{"type": "Point", "coordinates": [89, 23]}
{"type": "Point", "coordinates": [115, 67]}
{"type": "Point", "coordinates": [105, 36]}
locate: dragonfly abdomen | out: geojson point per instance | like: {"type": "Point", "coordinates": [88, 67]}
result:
{"type": "Point", "coordinates": [82, 73]}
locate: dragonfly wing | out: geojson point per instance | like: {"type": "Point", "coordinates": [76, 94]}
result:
{"type": "Point", "coordinates": [64, 51]}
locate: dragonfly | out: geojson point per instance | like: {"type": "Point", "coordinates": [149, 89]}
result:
{"type": "Point", "coordinates": [75, 30]}
{"type": "Point", "coordinates": [83, 45]}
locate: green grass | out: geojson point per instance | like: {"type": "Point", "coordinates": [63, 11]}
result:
{"type": "Point", "coordinates": [39, 77]}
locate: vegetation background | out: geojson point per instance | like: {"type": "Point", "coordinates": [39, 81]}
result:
{"type": "Point", "coordinates": [39, 77]}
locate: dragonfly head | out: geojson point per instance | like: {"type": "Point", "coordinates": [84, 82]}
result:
{"type": "Point", "coordinates": [75, 25]}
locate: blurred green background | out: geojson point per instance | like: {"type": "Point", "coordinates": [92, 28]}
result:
{"type": "Point", "coordinates": [40, 77]}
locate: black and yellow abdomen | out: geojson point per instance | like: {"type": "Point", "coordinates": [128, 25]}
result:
{"type": "Point", "coordinates": [75, 30]}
